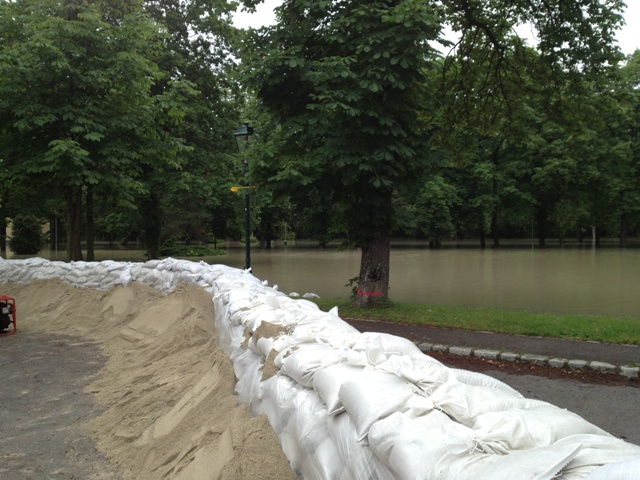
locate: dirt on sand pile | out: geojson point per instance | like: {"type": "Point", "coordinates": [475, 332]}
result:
{"type": "Point", "coordinates": [167, 391]}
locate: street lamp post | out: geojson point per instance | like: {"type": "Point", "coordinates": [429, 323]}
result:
{"type": "Point", "coordinates": [242, 135]}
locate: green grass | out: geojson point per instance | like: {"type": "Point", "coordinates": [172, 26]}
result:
{"type": "Point", "coordinates": [580, 327]}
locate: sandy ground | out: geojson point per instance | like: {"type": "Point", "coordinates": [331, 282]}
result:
{"type": "Point", "coordinates": [124, 384]}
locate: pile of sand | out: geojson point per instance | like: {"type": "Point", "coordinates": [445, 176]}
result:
{"type": "Point", "coordinates": [167, 390]}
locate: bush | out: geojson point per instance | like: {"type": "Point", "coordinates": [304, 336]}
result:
{"type": "Point", "coordinates": [26, 237]}
{"type": "Point", "coordinates": [170, 249]}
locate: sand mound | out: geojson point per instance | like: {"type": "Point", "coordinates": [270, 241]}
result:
{"type": "Point", "coordinates": [167, 390]}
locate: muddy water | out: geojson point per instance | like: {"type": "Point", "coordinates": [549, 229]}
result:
{"type": "Point", "coordinates": [581, 280]}
{"type": "Point", "coordinates": [571, 280]}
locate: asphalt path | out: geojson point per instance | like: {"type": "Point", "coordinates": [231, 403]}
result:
{"type": "Point", "coordinates": [44, 410]}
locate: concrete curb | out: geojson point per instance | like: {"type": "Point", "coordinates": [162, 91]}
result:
{"type": "Point", "coordinates": [628, 371]}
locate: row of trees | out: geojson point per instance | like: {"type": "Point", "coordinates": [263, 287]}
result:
{"type": "Point", "coordinates": [368, 120]}
{"type": "Point", "coordinates": [117, 117]}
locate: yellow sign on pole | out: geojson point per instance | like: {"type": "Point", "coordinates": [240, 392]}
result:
{"type": "Point", "coordinates": [235, 189]}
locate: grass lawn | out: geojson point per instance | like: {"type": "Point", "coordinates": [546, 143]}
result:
{"type": "Point", "coordinates": [581, 327]}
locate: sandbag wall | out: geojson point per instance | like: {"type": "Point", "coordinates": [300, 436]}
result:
{"type": "Point", "coordinates": [351, 405]}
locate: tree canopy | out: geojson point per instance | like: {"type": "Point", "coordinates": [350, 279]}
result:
{"type": "Point", "coordinates": [95, 96]}
{"type": "Point", "coordinates": [348, 86]}
{"type": "Point", "coordinates": [369, 122]}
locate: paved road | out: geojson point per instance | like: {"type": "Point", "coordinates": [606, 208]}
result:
{"type": "Point", "coordinates": [569, 349]}
{"type": "Point", "coordinates": [43, 408]}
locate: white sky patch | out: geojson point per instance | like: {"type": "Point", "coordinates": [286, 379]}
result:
{"type": "Point", "coordinates": [628, 37]}
{"type": "Point", "coordinates": [263, 16]}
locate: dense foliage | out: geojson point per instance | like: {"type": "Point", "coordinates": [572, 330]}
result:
{"type": "Point", "coordinates": [26, 238]}
{"type": "Point", "coordinates": [115, 107]}
{"type": "Point", "coordinates": [116, 120]}
{"type": "Point", "coordinates": [364, 110]}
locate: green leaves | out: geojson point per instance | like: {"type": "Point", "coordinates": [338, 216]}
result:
{"type": "Point", "coordinates": [347, 80]}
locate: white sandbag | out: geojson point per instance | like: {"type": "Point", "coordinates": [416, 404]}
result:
{"type": "Point", "coordinates": [221, 322]}
{"type": "Point", "coordinates": [427, 375]}
{"type": "Point", "coordinates": [597, 450]}
{"type": "Point", "coordinates": [324, 464]}
{"type": "Point", "coordinates": [188, 277]}
{"type": "Point", "coordinates": [309, 420]}
{"type": "Point", "coordinates": [274, 298]}
{"type": "Point", "coordinates": [253, 316]}
{"type": "Point", "coordinates": [302, 361]}
{"type": "Point", "coordinates": [301, 306]}
{"type": "Point", "coordinates": [74, 279]}
{"type": "Point", "coordinates": [191, 267]}
{"type": "Point", "coordinates": [358, 457]}
{"type": "Point", "coordinates": [264, 345]}
{"type": "Point", "coordinates": [379, 346]}
{"type": "Point", "coordinates": [35, 262]}
{"type": "Point", "coordinates": [247, 367]}
{"type": "Point", "coordinates": [61, 265]}
{"type": "Point", "coordinates": [322, 458]}
{"type": "Point", "coordinates": [374, 395]}
{"type": "Point", "coordinates": [327, 382]}
{"type": "Point", "coordinates": [624, 470]}
{"type": "Point", "coordinates": [125, 276]}
{"type": "Point", "coordinates": [518, 428]}
{"type": "Point", "coordinates": [542, 463]}
{"type": "Point", "coordinates": [465, 402]}
{"type": "Point", "coordinates": [239, 299]}
{"type": "Point", "coordinates": [276, 401]}
{"type": "Point", "coordinates": [326, 328]}
{"type": "Point", "coordinates": [481, 380]}
{"type": "Point", "coordinates": [411, 447]}
{"type": "Point", "coordinates": [299, 420]}
{"type": "Point", "coordinates": [111, 279]}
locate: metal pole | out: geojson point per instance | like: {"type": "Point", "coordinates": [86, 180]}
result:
{"type": "Point", "coordinates": [247, 229]}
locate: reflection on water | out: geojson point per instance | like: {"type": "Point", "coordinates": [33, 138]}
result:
{"type": "Point", "coordinates": [578, 280]}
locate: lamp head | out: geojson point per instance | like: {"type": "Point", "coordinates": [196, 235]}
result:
{"type": "Point", "coordinates": [242, 135]}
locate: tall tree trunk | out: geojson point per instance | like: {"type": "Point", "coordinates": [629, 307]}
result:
{"type": "Point", "coordinates": [624, 229]}
{"type": "Point", "coordinates": [3, 236]}
{"type": "Point", "coordinates": [90, 225]}
{"type": "Point", "coordinates": [542, 229]}
{"type": "Point", "coordinates": [150, 209]}
{"type": "Point", "coordinates": [373, 286]}
{"type": "Point", "coordinates": [494, 227]}
{"type": "Point", "coordinates": [483, 236]}
{"type": "Point", "coordinates": [495, 159]}
{"type": "Point", "coordinates": [73, 199]}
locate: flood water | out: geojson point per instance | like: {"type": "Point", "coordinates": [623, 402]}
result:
{"type": "Point", "coordinates": [568, 280]}
{"type": "Point", "coordinates": [581, 280]}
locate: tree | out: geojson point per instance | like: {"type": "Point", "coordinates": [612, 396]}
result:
{"type": "Point", "coordinates": [629, 92]}
{"type": "Point", "coordinates": [346, 82]}
{"type": "Point", "coordinates": [75, 99]}
{"type": "Point", "coordinates": [340, 80]}
{"type": "Point", "coordinates": [26, 236]}
{"type": "Point", "coordinates": [434, 209]}
{"type": "Point", "coordinates": [197, 52]}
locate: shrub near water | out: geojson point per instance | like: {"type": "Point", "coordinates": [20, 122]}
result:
{"type": "Point", "coordinates": [580, 327]}
{"type": "Point", "coordinates": [26, 235]}
{"type": "Point", "coordinates": [180, 251]}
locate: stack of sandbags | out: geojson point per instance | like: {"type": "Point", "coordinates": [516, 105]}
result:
{"type": "Point", "coordinates": [349, 405]}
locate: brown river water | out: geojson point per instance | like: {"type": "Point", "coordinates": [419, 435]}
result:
{"type": "Point", "coordinates": [583, 280]}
